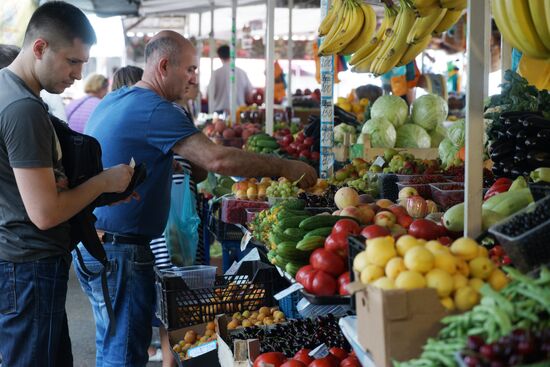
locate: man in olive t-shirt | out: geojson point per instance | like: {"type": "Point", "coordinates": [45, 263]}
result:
{"type": "Point", "coordinates": [35, 203]}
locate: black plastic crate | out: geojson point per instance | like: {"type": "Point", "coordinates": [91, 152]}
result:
{"type": "Point", "coordinates": [387, 186]}
{"type": "Point", "coordinates": [178, 306]}
{"type": "Point", "coordinates": [223, 231]}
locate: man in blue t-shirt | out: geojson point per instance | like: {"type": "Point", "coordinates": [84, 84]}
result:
{"type": "Point", "coordinates": [142, 122]}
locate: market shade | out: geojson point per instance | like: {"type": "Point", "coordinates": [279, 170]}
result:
{"type": "Point", "coordinates": [107, 8]}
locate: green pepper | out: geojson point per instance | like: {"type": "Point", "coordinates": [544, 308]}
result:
{"type": "Point", "coordinates": [541, 174]}
{"type": "Point", "coordinates": [518, 184]}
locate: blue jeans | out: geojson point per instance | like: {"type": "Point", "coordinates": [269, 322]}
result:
{"type": "Point", "coordinates": [33, 321]}
{"type": "Point", "coordinates": [130, 280]}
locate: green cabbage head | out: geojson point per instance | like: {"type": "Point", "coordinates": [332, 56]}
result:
{"type": "Point", "coordinates": [437, 135]}
{"type": "Point", "coordinates": [448, 153]}
{"type": "Point", "coordinates": [412, 136]}
{"type": "Point", "coordinates": [393, 108]}
{"type": "Point", "coordinates": [456, 133]}
{"type": "Point", "coordinates": [381, 131]}
{"type": "Point", "coordinates": [429, 110]}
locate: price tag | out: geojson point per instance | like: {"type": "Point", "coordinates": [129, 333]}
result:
{"type": "Point", "coordinates": [293, 288]}
{"type": "Point", "coordinates": [320, 352]}
{"type": "Point", "coordinates": [379, 161]}
{"type": "Point", "coordinates": [202, 349]}
{"type": "Point", "coordinates": [246, 239]}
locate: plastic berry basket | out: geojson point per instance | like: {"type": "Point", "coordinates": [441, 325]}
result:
{"type": "Point", "coordinates": [531, 247]}
{"type": "Point", "coordinates": [233, 211]}
{"type": "Point", "coordinates": [425, 178]}
{"type": "Point", "coordinates": [195, 276]}
{"type": "Point", "coordinates": [447, 194]}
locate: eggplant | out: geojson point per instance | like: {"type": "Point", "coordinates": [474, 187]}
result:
{"type": "Point", "coordinates": [516, 172]}
{"type": "Point", "coordinates": [544, 134]}
{"type": "Point", "coordinates": [508, 118]}
{"type": "Point", "coordinates": [522, 135]}
{"type": "Point", "coordinates": [520, 155]}
{"type": "Point", "coordinates": [497, 171]}
{"type": "Point", "coordinates": [536, 122]}
{"type": "Point", "coordinates": [513, 130]}
{"type": "Point", "coordinates": [501, 151]}
{"type": "Point", "coordinates": [537, 158]}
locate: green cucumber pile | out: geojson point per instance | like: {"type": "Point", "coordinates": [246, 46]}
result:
{"type": "Point", "coordinates": [261, 143]}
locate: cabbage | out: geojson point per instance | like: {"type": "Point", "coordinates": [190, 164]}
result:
{"type": "Point", "coordinates": [429, 110]}
{"type": "Point", "coordinates": [448, 153]}
{"type": "Point", "coordinates": [412, 136]}
{"type": "Point", "coordinates": [381, 131]}
{"type": "Point", "coordinates": [437, 135]}
{"type": "Point", "coordinates": [456, 133]}
{"type": "Point", "coordinates": [341, 130]}
{"type": "Point", "coordinates": [393, 108]}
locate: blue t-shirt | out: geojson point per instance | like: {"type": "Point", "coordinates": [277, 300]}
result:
{"type": "Point", "coordinates": [136, 122]}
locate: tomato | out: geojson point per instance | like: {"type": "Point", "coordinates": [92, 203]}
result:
{"type": "Point", "coordinates": [343, 280]}
{"type": "Point", "coordinates": [274, 358]}
{"type": "Point", "coordinates": [347, 226]}
{"type": "Point", "coordinates": [287, 139]}
{"type": "Point", "coordinates": [323, 284]}
{"type": "Point", "coordinates": [305, 275]}
{"type": "Point", "coordinates": [304, 154]}
{"type": "Point", "coordinates": [309, 141]}
{"type": "Point", "coordinates": [339, 353]}
{"type": "Point", "coordinates": [303, 356]}
{"type": "Point", "coordinates": [323, 259]}
{"type": "Point", "coordinates": [294, 363]}
{"type": "Point", "coordinates": [328, 361]}
{"type": "Point", "coordinates": [337, 243]}
{"type": "Point", "coordinates": [302, 272]}
{"type": "Point", "coordinates": [351, 361]}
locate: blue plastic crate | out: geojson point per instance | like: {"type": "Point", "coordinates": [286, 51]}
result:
{"type": "Point", "coordinates": [288, 305]}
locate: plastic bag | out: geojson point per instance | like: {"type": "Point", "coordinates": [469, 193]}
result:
{"type": "Point", "coordinates": [181, 231]}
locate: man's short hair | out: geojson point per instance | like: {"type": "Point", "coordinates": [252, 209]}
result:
{"type": "Point", "coordinates": [163, 47]}
{"type": "Point", "coordinates": [60, 24]}
{"type": "Point", "coordinates": [8, 53]}
{"type": "Point", "coordinates": [223, 52]}
{"type": "Point", "coordinates": [126, 76]}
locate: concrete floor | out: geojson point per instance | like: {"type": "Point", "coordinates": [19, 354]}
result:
{"type": "Point", "coordinates": [82, 326]}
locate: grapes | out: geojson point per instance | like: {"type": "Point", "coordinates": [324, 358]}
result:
{"type": "Point", "coordinates": [282, 189]}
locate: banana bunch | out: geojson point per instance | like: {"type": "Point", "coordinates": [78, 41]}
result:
{"type": "Point", "coordinates": [346, 26]}
{"type": "Point", "coordinates": [404, 33]}
{"type": "Point", "coordinates": [525, 25]}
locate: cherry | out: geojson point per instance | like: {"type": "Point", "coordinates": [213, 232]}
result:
{"type": "Point", "coordinates": [475, 342]}
{"type": "Point", "coordinates": [526, 347]}
{"type": "Point", "coordinates": [472, 361]}
{"type": "Point", "coordinates": [487, 351]}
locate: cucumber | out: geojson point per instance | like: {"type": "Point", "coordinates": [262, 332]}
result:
{"type": "Point", "coordinates": [296, 233]}
{"type": "Point", "coordinates": [280, 261]}
{"type": "Point", "coordinates": [289, 251]}
{"type": "Point", "coordinates": [271, 254]}
{"type": "Point", "coordinates": [311, 243]}
{"type": "Point", "coordinates": [285, 213]}
{"type": "Point", "coordinates": [265, 143]}
{"type": "Point", "coordinates": [278, 236]}
{"type": "Point", "coordinates": [293, 267]}
{"type": "Point", "coordinates": [321, 220]}
{"type": "Point", "coordinates": [323, 231]}
{"type": "Point", "coordinates": [292, 222]}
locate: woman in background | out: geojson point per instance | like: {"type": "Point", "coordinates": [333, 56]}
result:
{"type": "Point", "coordinates": [80, 110]}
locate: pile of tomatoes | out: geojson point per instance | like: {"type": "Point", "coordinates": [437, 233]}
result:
{"type": "Point", "coordinates": [337, 357]}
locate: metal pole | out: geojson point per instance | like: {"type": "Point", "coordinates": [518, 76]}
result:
{"type": "Point", "coordinates": [505, 57]}
{"type": "Point", "coordinates": [477, 46]}
{"type": "Point", "coordinates": [290, 53]}
{"type": "Point", "coordinates": [232, 55]}
{"type": "Point", "coordinates": [212, 45]}
{"type": "Point", "coordinates": [326, 163]}
{"type": "Point", "coordinates": [200, 47]}
{"type": "Point", "coordinates": [269, 67]}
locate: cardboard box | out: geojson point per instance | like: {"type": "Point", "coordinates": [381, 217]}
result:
{"type": "Point", "coordinates": [395, 324]}
{"type": "Point", "coordinates": [241, 354]}
{"type": "Point", "coordinates": [205, 355]}
{"type": "Point", "coordinates": [371, 153]}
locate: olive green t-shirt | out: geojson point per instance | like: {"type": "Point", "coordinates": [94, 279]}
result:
{"type": "Point", "coordinates": [27, 140]}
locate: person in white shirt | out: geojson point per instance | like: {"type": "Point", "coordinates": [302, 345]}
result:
{"type": "Point", "coordinates": [218, 89]}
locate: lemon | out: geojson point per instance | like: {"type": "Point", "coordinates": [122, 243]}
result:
{"type": "Point", "coordinates": [465, 248]}
{"type": "Point", "coordinates": [445, 261]}
{"type": "Point", "coordinates": [380, 250]}
{"type": "Point", "coordinates": [482, 252]}
{"type": "Point", "coordinates": [394, 267]}
{"type": "Point", "coordinates": [476, 283]}
{"type": "Point", "coordinates": [459, 281]}
{"type": "Point", "coordinates": [462, 267]}
{"type": "Point", "coordinates": [466, 298]}
{"type": "Point", "coordinates": [371, 273]}
{"type": "Point", "coordinates": [410, 280]}
{"type": "Point", "coordinates": [384, 283]}
{"type": "Point", "coordinates": [441, 281]}
{"type": "Point", "coordinates": [481, 267]}
{"type": "Point", "coordinates": [498, 279]}
{"type": "Point", "coordinates": [448, 303]}
{"type": "Point", "coordinates": [361, 261]}
{"type": "Point", "coordinates": [419, 259]}
{"type": "Point", "coordinates": [405, 243]}
{"type": "Point", "coordinates": [434, 246]}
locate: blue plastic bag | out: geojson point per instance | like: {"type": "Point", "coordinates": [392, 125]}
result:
{"type": "Point", "coordinates": [181, 233]}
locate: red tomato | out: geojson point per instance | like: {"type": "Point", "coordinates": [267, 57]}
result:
{"type": "Point", "coordinates": [309, 141]}
{"type": "Point", "coordinates": [305, 275]}
{"type": "Point", "coordinates": [339, 353]}
{"type": "Point", "coordinates": [323, 259]}
{"type": "Point", "coordinates": [347, 226]}
{"type": "Point", "coordinates": [274, 358]}
{"type": "Point", "coordinates": [337, 243]}
{"type": "Point", "coordinates": [304, 154]}
{"type": "Point", "coordinates": [294, 363]}
{"type": "Point", "coordinates": [315, 156]}
{"type": "Point", "coordinates": [323, 284]}
{"type": "Point", "coordinates": [343, 280]}
{"type": "Point", "coordinates": [303, 356]}
{"type": "Point", "coordinates": [286, 140]}
{"type": "Point", "coordinates": [351, 361]}
{"type": "Point", "coordinates": [328, 361]}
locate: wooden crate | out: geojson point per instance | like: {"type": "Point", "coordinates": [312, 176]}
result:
{"type": "Point", "coordinates": [370, 153]}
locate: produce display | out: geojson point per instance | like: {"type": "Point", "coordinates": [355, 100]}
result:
{"type": "Point", "coordinates": [523, 304]}
{"type": "Point", "coordinates": [234, 135]}
{"type": "Point", "coordinates": [192, 339]}
{"type": "Point", "coordinates": [264, 316]}
{"type": "Point", "coordinates": [251, 189]}
{"type": "Point", "coordinates": [524, 24]}
{"type": "Point", "coordinates": [261, 143]}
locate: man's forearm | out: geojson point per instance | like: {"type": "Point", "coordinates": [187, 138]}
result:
{"type": "Point", "coordinates": [240, 163]}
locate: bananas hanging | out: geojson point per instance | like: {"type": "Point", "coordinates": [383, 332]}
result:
{"type": "Point", "coordinates": [525, 25]}
{"type": "Point", "coordinates": [346, 27]}
{"type": "Point", "coordinates": [405, 31]}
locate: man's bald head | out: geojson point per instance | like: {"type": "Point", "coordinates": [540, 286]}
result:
{"type": "Point", "coordinates": [167, 44]}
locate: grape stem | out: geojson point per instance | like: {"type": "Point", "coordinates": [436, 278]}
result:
{"type": "Point", "coordinates": [295, 183]}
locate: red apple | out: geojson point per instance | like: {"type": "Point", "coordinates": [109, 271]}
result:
{"type": "Point", "coordinates": [351, 211]}
{"type": "Point", "coordinates": [374, 231]}
{"type": "Point", "coordinates": [398, 210]}
{"type": "Point", "coordinates": [417, 207]}
{"type": "Point", "coordinates": [445, 240]}
{"type": "Point", "coordinates": [366, 213]}
{"type": "Point", "coordinates": [385, 218]}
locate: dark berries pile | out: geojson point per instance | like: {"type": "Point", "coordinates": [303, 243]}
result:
{"type": "Point", "coordinates": [319, 201]}
{"type": "Point", "coordinates": [518, 348]}
{"type": "Point", "coordinates": [528, 220]}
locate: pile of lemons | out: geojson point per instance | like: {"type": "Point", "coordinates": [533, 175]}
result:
{"type": "Point", "coordinates": [456, 272]}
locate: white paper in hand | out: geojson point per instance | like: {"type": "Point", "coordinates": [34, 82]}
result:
{"type": "Point", "coordinates": [132, 163]}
